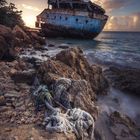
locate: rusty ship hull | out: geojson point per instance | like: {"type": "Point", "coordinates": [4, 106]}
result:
{"type": "Point", "coordinates": [70, 23]}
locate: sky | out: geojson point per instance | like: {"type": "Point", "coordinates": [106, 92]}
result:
{"type": "Point", "coordinates": [124, 15]}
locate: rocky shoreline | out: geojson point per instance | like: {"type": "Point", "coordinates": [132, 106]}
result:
{"type": "Point", "coordinates": [19, 118]}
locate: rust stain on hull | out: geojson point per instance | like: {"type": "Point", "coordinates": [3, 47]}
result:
{"type": "Point", "coordinates": [49, 30]}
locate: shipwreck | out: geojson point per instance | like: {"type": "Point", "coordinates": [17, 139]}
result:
{"type": "Point", "coordinates": [72, 18]}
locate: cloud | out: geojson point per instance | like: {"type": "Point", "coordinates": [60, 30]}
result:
{"type": "Point", "coordinates": [30, 7]}
{"type": "Point", "coordinates": [124, 23]}
{"type": "Point", "coordinates": [109, 5]}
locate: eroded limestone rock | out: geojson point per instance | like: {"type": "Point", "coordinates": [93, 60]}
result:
{"type": "Point", "coordinates": [74, 58]}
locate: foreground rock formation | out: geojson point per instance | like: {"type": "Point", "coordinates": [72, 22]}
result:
{"type": "Point", "coordinates": [17, 106]}
{"type": "Point", "coordinates": [19, 118]}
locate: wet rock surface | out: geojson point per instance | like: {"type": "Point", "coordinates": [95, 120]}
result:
{"type": "Point", "coordinates": [125, 79]}
{"type": "Point", "coordinates": [116, 126]}
{"type": "Point", "coordinates": [123, 127]}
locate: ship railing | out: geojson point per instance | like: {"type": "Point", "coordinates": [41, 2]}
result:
{"type": "Point", "coordinates": [74, 12]}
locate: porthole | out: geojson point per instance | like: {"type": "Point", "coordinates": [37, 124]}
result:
{"type": "Point", "coordinates": [76, 19]}
{"type": "Point", "coordinates": [86, 21]}
{"type": "Point", "coordinates": [66, 18]}
{"type": "Point", "coordinates": [60, 17]}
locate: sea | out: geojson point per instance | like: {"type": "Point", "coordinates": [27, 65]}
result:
{"type": "Point", "coordinates": [109, 48]}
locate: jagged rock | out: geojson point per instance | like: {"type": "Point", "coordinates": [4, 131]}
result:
{"type": "Point", "coordinates": [125, 79]}
{"type": "Point", "coordinates": [51, 70]}
{"type": "Point", "coordinates": [74, 58]}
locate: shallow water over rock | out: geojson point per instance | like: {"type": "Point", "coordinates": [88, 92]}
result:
{"type": "Point", "coordinates": [119, 101]}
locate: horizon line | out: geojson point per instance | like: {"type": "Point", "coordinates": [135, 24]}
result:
{"type": "Point", "coordinates": [119, 31]}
